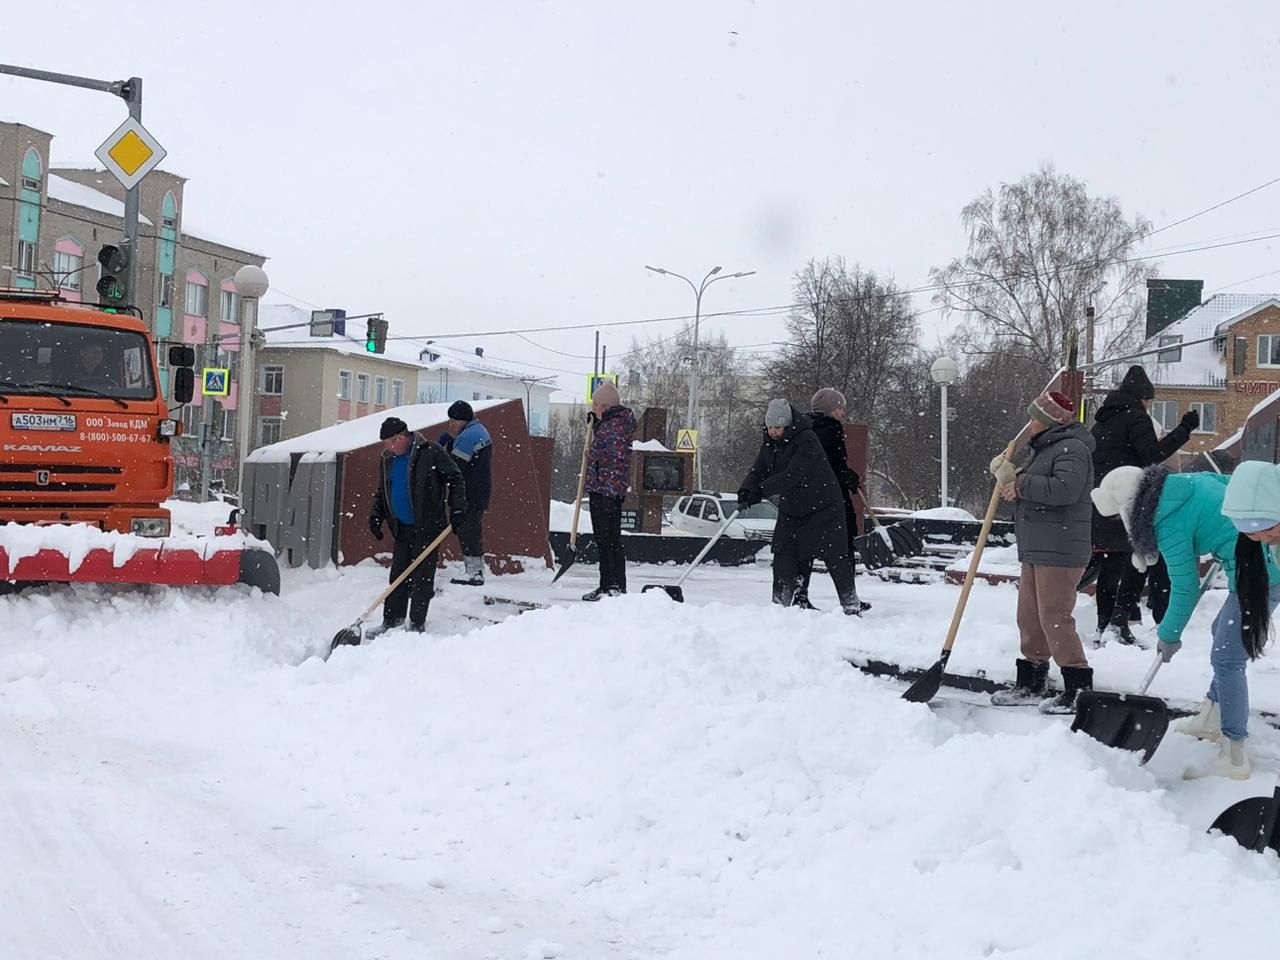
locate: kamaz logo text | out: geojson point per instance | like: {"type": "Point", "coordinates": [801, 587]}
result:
{"type": "Point", "coordinates": [40, 448]}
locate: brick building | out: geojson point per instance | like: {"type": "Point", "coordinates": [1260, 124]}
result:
{"type": "Point", "coordinates": [53, 221]}
{"type": "Point", "coordinates": [1224, 378]}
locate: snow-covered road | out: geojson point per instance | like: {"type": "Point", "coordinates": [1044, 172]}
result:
{"type": "Point", "coordinates": [635, 779]}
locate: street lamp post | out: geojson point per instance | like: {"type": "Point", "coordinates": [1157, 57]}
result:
{"type": "Point", "coordinates": [944, 373]}
{"type": "Point", "coordinates": [698, 289]}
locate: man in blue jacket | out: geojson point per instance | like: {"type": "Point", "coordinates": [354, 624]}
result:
{"type": "Point", "coordinates": [472, 448]}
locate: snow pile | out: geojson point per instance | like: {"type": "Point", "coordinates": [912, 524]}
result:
{"type": "Point", "coordinates": [944, 513]}
{"type": "Point", "coordinates": [653, 446]}
{"type": "Point", "coordinates": [75, 541]}
{"type": "Point", "coordinates": [635, 778]}
{"type": "Point", "coordinates": [560, 517]}
{"type": "Point", "coordinates": [1002, 561]}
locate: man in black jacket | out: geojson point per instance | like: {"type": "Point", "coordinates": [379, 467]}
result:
{"type": "Point", "coordinates": [420, 492]}
{"type": "Point", "coordinates": [1124, 436]}
{"type": "Point", "coordinates": [810, 525]}
{"type": "Point", "coordinates": [827, 411]}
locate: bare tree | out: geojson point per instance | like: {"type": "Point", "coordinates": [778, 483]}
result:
{"type": "Point", "coordinates": [1040, 252]}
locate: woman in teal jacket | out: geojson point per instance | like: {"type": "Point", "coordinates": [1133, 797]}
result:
{"type": "Point", "coordinates": [1180, 516]}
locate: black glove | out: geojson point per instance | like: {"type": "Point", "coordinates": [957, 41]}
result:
{"type": "Point", "coordinates": [456, 517]}
{"type": "Point", "coordinates": [375, 527]}
{"type": "Point", "coordinates": [1191, 420]}
{"type": "Point", "coordinates": [744, 498]}
{"type": "Point", "coordinates": [854, 481]}
{"type": "Point", "coordinates": [446, 440]}
{"type": "Point", "coordinates": [591, 417]}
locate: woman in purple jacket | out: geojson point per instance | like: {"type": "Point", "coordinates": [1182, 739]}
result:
{"type": "Point", "coordinates": [608, 479]}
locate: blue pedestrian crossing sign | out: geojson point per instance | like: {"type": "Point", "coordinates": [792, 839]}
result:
{"type": "Point", "coordinates": [217, 381]}
{"type": "Point", "coordinates": [595, 380]}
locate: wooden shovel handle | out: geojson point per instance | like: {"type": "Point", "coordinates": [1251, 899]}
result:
{"type": "Point", "coordinates": [582, 482]}
{"type": "Point", "coordinates": [976, 558]}
{"type": "Point", "coordinates": [867, 507]}
{"type": "Point", "coordinates": [407, 570]}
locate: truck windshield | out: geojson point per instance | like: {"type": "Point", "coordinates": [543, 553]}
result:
{"type": "Point", "coordinates": [40, 358]}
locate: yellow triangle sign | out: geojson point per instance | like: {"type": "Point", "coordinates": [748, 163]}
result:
{"type": "Point", "coordinates": [687, 441]}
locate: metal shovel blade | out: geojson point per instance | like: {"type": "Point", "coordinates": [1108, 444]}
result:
{"type": "Point", "coordinates": [347, 637]}
{"type": "Point", "coordinates": [674, 591]}
{"type": "Point", "coordinates": [1126, 721]}
{"type": "Point", "coordinates": [1252, 822]}
{"type": "Point", "coordinates": [568, 562]}
{"type": "Point", "coordinates": [926, 688]}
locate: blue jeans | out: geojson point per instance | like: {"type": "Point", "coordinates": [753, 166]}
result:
{"type": "Point", "coordinates": [1230, 686]}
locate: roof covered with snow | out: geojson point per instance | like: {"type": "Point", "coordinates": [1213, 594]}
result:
{"type": "Point", "coordinates": [1202, 365]}
{"type": "Point", "coordinates": [1232, 440]}
{"type": "Point", "coordinates": [68, 191]}
{"type": "Point", "coordinates": [361, 432]}
{"type": "Point", "coordinates": [420, 352]}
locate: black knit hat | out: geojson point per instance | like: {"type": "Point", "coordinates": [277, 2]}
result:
{"type": "Point", "coordinates": [1136, 383]}
{"type": "Point", "coordinates": [392, 427]}
{"type": "Point", "coordinates": [461, 410]}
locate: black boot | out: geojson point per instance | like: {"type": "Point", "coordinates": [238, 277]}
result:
{"type": "Point", "coordinates": [1029, 687]}
{"type": "Point", "coordinates": [1074, 679]}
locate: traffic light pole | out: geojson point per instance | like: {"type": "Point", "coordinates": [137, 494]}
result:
{"type": "Point", "coordinates": [130, 91]}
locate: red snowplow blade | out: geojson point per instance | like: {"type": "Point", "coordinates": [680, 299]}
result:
{"type": "Point", "coordinates": [181, 567]}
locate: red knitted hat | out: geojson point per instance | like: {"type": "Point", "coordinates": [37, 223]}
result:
{"type": "Point", "coordinates": [1052, 408]}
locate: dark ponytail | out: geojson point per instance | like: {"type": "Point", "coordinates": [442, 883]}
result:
{"type": "Point", "coordinates": [1253, 590]}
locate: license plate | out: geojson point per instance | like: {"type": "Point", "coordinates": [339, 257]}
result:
{"type": "Point", "coordinates": [42, 421]}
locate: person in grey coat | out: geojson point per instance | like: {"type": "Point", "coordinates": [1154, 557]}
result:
{"type": "Point", "coordinates": [1050, 481]}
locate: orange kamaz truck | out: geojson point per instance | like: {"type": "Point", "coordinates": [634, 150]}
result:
{"type": "Point", "coordinates": [85, 460]}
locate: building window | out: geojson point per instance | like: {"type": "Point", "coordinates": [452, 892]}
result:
{"type": "Point", "coordinates": [1269, 350]}
{"type": "Point", "coordinates": [272, 381]}
{"type": "Point", "coordinates": [1165, 413]}
{"type": "Point", "coordinates": [197, 299]}
{"type": "Point", "coordinates": [230, 306]}
{"type": "Point", "coordinates": [166, 290]}
{"type": "Point", "coordinates": [67, 267]}
{"type": "Point", "coordinates": [268, 430]}
{"type": "Point", "coordinates": [475, 395]}
{"type": "Point", "coordinates": [1208, 417]}
{"type": "Point", "coordinates": [228, 425]}
{"type": "Point", "coordinates": [26, 258]}
{"type": "Point", "coordinates": [31, 183]}
{"type": "Point", "coordinates": [380, 391]}
{"type": "Point", "coordinates": [344, 384]}
{"type": "Point", "coordinates": [170, 222]}
{"type": "Point", "coordinates": [362, 388]}
{"type": "Point", "coordinates": [397, 392]}
{"type": "Point", "coordinates": [1169, 356]}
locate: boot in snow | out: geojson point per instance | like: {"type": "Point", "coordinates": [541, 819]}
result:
{"type": "Point", "coordinates": [1074, 679]}
{"type": "Point", "coordinates": [1232, 762]}
{"type": "Point", "coordinates": [599, 593]}
{"type": "Point", "coordinates": [850, 604]}
{"type": "Point", "coordinates": [1205, 725]}
{"type": "Point", "coordinates": [382, 628]}
{"type": "Point", "coordinates": [474, 576]}
{"type": "Point", "coordinates": [1028, 688]}
{"type": "Point", "coordinates": [802, 601]}
{"type": "Point", "coordinates": [415, 627]}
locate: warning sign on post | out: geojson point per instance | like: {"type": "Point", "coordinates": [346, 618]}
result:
{"type": "Point", "coordinates": [687, 441]}
{"type": "Point", "coordinates": [217, 381]}
{"type": "Point", "coordinates": [595, 380]}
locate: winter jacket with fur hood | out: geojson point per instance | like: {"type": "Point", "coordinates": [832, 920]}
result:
{"type": "Point", "coordinates": [1052, 517]}
{"type": "Point", "coordinates": [1180, 516]}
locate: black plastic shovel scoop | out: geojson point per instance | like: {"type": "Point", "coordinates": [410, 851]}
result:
{"type": "Point", "coordinates": [1126, 721]}
{"type": "Point", "coordinates": [884, 545]}
{"type": "Point", "coordinates": [1252, 822]}
{"type": "Point", "coordinates": [676, 590]}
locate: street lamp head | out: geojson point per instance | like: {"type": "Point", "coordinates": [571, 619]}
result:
{"type": "Point", "coordinates": [944, 371]}
{"type": "Point", "coordinates": [714, 271]}
{"type": "Point", "coordinates": [251, 281]}
{"type": "Point", "coordinates": [654, 269]}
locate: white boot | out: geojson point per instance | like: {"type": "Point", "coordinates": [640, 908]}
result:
{"type": "Point", "coordinates": [1205, 725]}
{"type": "Point", "coordinates": [1232, 762]}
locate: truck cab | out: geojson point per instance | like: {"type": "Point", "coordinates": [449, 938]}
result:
{"type": "Point", "coordinates": [84, 427]}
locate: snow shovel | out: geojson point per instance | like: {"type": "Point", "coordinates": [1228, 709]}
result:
{"type": "Point", "coordinates": [675, 590]}
{"type": "Point", "coordinates": [924, 689]}
{"type": "Point", "coordinates": [1126, 721]}
{"type": "Point", "coordinates": [577, 507]}
{"type": "Point", "coordinates": [1252, 823]}
{"type": "Point", "coordinates": [352, 635]}
{"type": "Point", "coordinates": [882, 546]}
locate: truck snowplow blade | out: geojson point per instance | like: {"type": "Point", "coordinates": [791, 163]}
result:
{"type": "Point", "coordinates": [178, 566]}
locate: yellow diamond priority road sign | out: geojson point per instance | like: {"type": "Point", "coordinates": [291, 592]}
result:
{"type": "Point", "coordinates": [130, 153]}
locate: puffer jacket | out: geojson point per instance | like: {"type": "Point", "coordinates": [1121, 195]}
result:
{"type": "Point", "coordinates": [1052, 516]}
{"type": "Point", "coordinates": [1180, 516]}
{"type": "Point", "coordinates": [609, 461]}
{"type": "Point", "coordinates": [1124, 435]}
{"type": "Point", "coordinates": [830, 433]}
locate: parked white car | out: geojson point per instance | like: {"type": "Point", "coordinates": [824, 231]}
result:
{"type": "Point", "coordinates": [703, 514]}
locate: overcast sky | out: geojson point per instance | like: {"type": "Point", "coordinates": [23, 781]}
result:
{"type": "Point", "coordinates": [481, 165]}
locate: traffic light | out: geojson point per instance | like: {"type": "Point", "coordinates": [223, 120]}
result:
{"type": "Point", "coordinates": [375, 335]}
{"type": "Point", "coordinates": [113, 286]}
